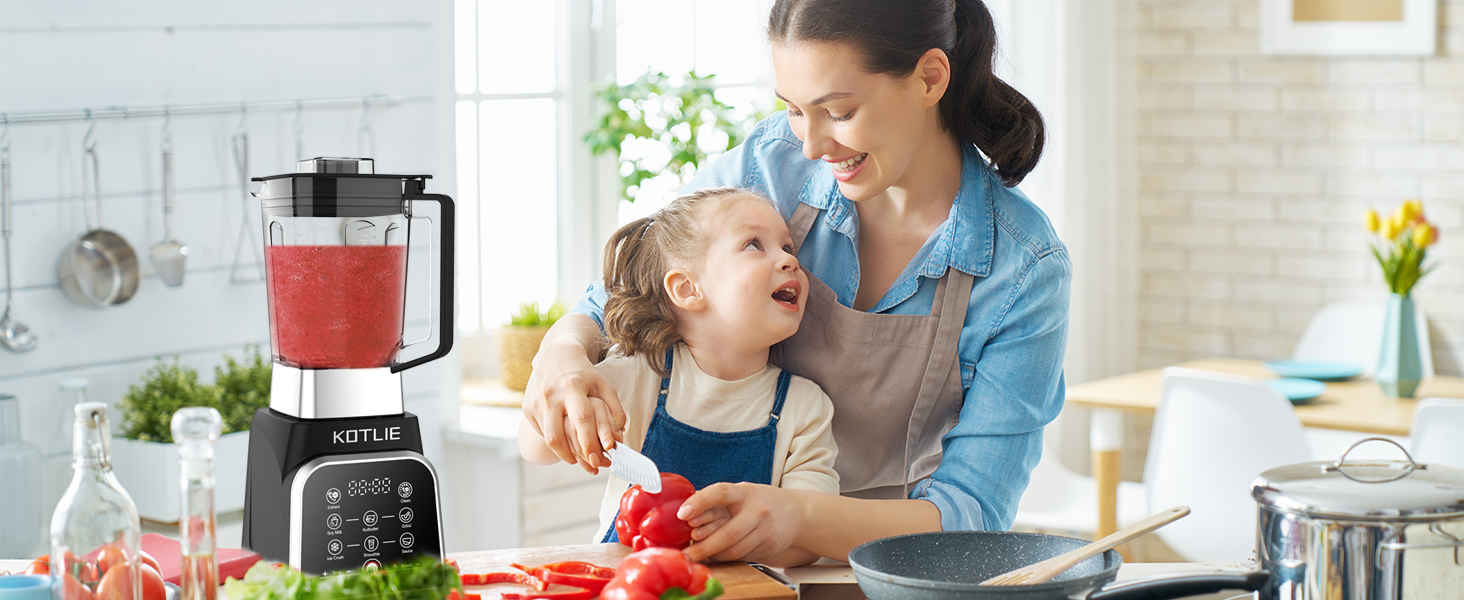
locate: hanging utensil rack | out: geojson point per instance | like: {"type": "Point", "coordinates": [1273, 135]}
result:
{"type": "Point", "coordinates": [176, 110]}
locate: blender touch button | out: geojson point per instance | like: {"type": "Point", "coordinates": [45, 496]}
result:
{"type": "Point", "coordinates": [404, 490]}
{"type": "Point", "coordinates": [335, 547]}
{"type": "Point", "coordinates": [407, 540]}
{"type": "Point", "coordinates": [371, 544]}
{"type": "Point", "coordinates": [333, 521]}
{"type": "Point", "coordinates": [333, 495]}
{"type": "Point", "coordinates": [372, 566]}
{"type": "Point", "coordinates": [369, 518]}
{"type": "Point", "coordinates": [405, 515]}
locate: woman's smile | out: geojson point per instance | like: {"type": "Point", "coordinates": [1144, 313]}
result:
{"type": "Point", "coordinates": [847, 169]}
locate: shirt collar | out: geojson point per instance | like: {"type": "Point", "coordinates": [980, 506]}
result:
{"type": "Point", "coordinates": [966, 241]}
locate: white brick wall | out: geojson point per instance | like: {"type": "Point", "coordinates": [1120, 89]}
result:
{"type": "Point", "coordinates": [1254, 172]}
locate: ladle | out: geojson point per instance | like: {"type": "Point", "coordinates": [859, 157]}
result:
{"type": "Point", "coordinates": [14, 335]}
{"type": "Point", "coordinates": [168, 255]}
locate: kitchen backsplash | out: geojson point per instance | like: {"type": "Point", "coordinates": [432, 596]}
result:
{"type": "Point", "coordinates": [171, 52]}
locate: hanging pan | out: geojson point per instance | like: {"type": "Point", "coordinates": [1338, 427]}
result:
{"type": "Point", "coordinates": [99, 269]}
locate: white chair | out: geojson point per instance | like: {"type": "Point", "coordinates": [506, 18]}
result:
{"type": "Point", "coordinates": [1213, 434]}
{"type": "Point", "coordinates": [1060, 499]}
{"type": "Point", "coordinates": [1352, 331]}
{"type": "Point", "coordinates": [1438, 431]}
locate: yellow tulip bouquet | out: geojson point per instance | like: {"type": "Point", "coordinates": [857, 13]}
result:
{"type": "Point", "coordinates": [1401, 244]}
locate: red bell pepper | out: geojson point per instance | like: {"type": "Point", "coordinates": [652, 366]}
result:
{"type": "Point", "coordinates": [575, 573]}
{"type": "Point", "coordinates": [661, 574]}
{"type": "Point", "coordinates": [573, 593]}
{"type": "Point", "coordinates": [491, 578]}
{"type": "Point", "coordinates": [649, 520]}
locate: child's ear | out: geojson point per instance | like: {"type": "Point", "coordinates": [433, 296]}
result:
{"type": "Point", "coordinates": [684, 292]}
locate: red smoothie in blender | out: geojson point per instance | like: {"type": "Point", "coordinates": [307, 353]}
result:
{"type": "Point", "coordinates": [336, 307]}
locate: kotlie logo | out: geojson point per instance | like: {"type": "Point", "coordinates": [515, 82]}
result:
{"type": "Point", "coordinates": [367, 434]}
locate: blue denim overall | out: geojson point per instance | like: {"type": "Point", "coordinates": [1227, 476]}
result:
{"type": "Point", "coordinates": [708, 457]}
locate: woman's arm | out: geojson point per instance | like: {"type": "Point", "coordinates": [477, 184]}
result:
{"type": "Point", "coordinates": [569, 405]}
{"type": "Point", "coordinates": [767, 521]}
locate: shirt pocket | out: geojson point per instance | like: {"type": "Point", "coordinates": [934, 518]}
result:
{"type": "Point", "coordinates": [968, 374]}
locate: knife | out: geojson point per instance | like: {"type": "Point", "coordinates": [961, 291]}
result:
{"type": "Point", "coordinates": [634, 467]}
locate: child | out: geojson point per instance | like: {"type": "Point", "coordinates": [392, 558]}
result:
{"type": "Point", "coordinates": [699, 292]}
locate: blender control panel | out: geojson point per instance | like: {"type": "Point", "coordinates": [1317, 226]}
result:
{"type": "Point", "coordinates": [365, 513]}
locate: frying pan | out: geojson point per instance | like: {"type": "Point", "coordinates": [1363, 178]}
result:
{"type": "Point", "coordinates": [950, 565]}
{"type": "Point", "coordinates": [100, 268]}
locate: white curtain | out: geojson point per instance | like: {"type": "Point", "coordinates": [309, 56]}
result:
{"type": "Point", "coordinates": [1067, 57]}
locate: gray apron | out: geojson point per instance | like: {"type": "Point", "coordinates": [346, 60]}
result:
{"type": "Point", "coordinates": [895, 380]}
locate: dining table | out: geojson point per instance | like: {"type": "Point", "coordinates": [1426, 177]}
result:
{"type": "Point", "coordinates": [1356, 404]}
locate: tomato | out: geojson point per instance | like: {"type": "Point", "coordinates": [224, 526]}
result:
{"type": "Point", "coordinates": [148, 560]}
{"type": "Point", "coordinates": [117, 585]}
{"type": "Point", "coordinates": [109, 557]}
{"type": "Point", "coordinates": [72, 589]}
{"type": "Point", "coordinates": [39, 566]}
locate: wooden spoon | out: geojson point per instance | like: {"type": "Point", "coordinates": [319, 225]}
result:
{"type": "Point", "coordinates": [1052, 567]}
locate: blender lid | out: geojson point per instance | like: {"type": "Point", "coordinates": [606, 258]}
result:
{"type": "Point", "coordinates": [336, 187]}
{"type": "Point", "coordinates": [336, 164]}
{"type": "Point", "coordinates": [1370, 490]}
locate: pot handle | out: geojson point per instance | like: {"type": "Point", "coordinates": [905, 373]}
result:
{"type": "Point", "coordinates": [1184, 585]}
{"type": "Point", "coordinates": [1341, 462]}
{"type": "Point", "coordinates": [1392, 545]}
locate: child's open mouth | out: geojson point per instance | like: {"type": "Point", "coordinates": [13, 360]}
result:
{"type": "Point", "coordinates": [787, 295]}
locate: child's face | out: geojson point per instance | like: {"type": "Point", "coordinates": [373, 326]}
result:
{"type": "Point", "coordinates": [754, 288]}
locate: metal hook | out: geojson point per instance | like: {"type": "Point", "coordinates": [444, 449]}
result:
{"type": "Point", "coordinates": [365, 136]}
{"type": "Point", "coordinates": [91, 125]}
{"type": "Point", "coordinates": [298, 127]}
{"type": "Point", "coordinates": [167, 127]}
{"type": "Point", "coordinates": [243, 117]}
{"type": "Point", "coordinates": [5, 133]}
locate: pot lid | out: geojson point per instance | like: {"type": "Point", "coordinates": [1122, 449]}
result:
{"type": "Point", "coordinates": [1371, 489]}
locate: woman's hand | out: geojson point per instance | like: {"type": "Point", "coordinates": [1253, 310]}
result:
{"type": "Point", "coordinates": [741, 521]}
{"type": "Point", "coordinates": [567, 401]}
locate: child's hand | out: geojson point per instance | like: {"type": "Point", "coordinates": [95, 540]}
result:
{"type": "Point", "coordinates": [708, 522]}
{"type": "Point", "coordinates": [573, 408]}
{"type": "Point", "coordinates": [751, 521]}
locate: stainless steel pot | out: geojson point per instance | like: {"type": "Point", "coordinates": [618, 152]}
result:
{"type": "Point", "coordinates": [100, 268]}
{"type": "Point", "coordinates": [1366, 529]}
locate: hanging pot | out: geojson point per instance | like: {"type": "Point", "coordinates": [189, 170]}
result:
{"type": "Point", "coordinates": [100, 268]}
{"type": "Point", "coordinates": [1365, 529]}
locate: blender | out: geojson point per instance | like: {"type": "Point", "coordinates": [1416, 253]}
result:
{"type": "Point", "coordinates": [336, 477]}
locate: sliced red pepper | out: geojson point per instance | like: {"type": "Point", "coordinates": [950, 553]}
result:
{"type": "Point", "coordinates": [572, 593]}
{"type": "Point", "coordinates": [454, 595]}
{"type": "Point", "coordinates": [579, 567]}
{"type": "Point", "coordinates": [452, 561]}
{"type": "Point", "coordinates": [491, 578]}
{"type": "Point", "coordinates": [589, 582]}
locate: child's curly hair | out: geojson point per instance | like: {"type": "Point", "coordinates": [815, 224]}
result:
{"type": "Point", "coordinates": [639, 316]}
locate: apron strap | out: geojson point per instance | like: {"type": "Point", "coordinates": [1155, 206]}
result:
{"type": "Point", "coordinates": [801, 223]}
{"type": "Point", "coordinates": [783, 379]}
{"type": "Point", "coordinates": [954, 300]}
{"type": "Point", "coordinates": [665, 381]}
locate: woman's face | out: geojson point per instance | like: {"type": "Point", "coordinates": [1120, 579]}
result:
{"type": "Point", "coordinates": [869, 127]}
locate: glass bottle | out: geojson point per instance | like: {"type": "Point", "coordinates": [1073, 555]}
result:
{"type": "Point", "coordinates": [95, 530]}
{"type": "Point", "coordinates": [195, 429]}
{"type": "Point", "coordinates": [22, 524]}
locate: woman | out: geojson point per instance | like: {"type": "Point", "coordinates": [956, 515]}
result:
{"type": "Point", "coordinates": [938, 301]}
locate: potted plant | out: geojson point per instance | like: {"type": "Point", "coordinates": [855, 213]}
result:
{"type": "Point", "coordinates": [519, 340]}
{"type": "Point", "coordinates": [681, 114]}
{"type": "Point", "coordinates": [144, 457]}
{"type": "Point", "coordinates": [1400, 244]}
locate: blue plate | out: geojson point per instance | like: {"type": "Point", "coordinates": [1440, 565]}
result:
{"type": "Point", "coordinates": [1298, 391]}
{"type": "Point", "coordinates": [1321, 370]}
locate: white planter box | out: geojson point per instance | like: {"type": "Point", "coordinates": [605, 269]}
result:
{"type": "Point", "coordinates": [150, 473]}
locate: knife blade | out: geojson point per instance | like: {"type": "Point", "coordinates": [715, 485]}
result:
{"type": "Point", "coordinates": [634, 467]}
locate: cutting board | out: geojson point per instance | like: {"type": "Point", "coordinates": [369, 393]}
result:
{"type": "Point", "coordinates": [741, 580]}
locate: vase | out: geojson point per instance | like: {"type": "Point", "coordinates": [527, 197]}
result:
{"type": "Point", "coordinates": [516, 349]}
{"type": "Point", "coordinates": [1399, 367]}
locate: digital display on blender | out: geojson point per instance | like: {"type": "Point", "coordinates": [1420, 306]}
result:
{"type": "Point", "coordinates": [366, 487]}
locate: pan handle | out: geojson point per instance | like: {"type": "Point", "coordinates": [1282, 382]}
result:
{"type": "Point", "coordinates": [1179, 587]}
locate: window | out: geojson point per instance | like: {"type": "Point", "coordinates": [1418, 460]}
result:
{"type": "Point", "coordinates": [529, 196]}
{"type": "Point", "coordinates": [508, 142]}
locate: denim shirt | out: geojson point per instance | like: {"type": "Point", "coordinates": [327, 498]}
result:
{"type": "Point", "coordinates": [1011, 345]}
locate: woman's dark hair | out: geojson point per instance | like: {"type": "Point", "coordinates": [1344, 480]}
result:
{"type": "Point", "coordinates": [891, 36]}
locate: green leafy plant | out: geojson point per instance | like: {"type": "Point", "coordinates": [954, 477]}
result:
{"type": "Point", "coordinates": [676, 112]}
{"type": "Point", "coordinates": [529, 315]}
{"type": "Point", "coordinates": [240, 388]}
